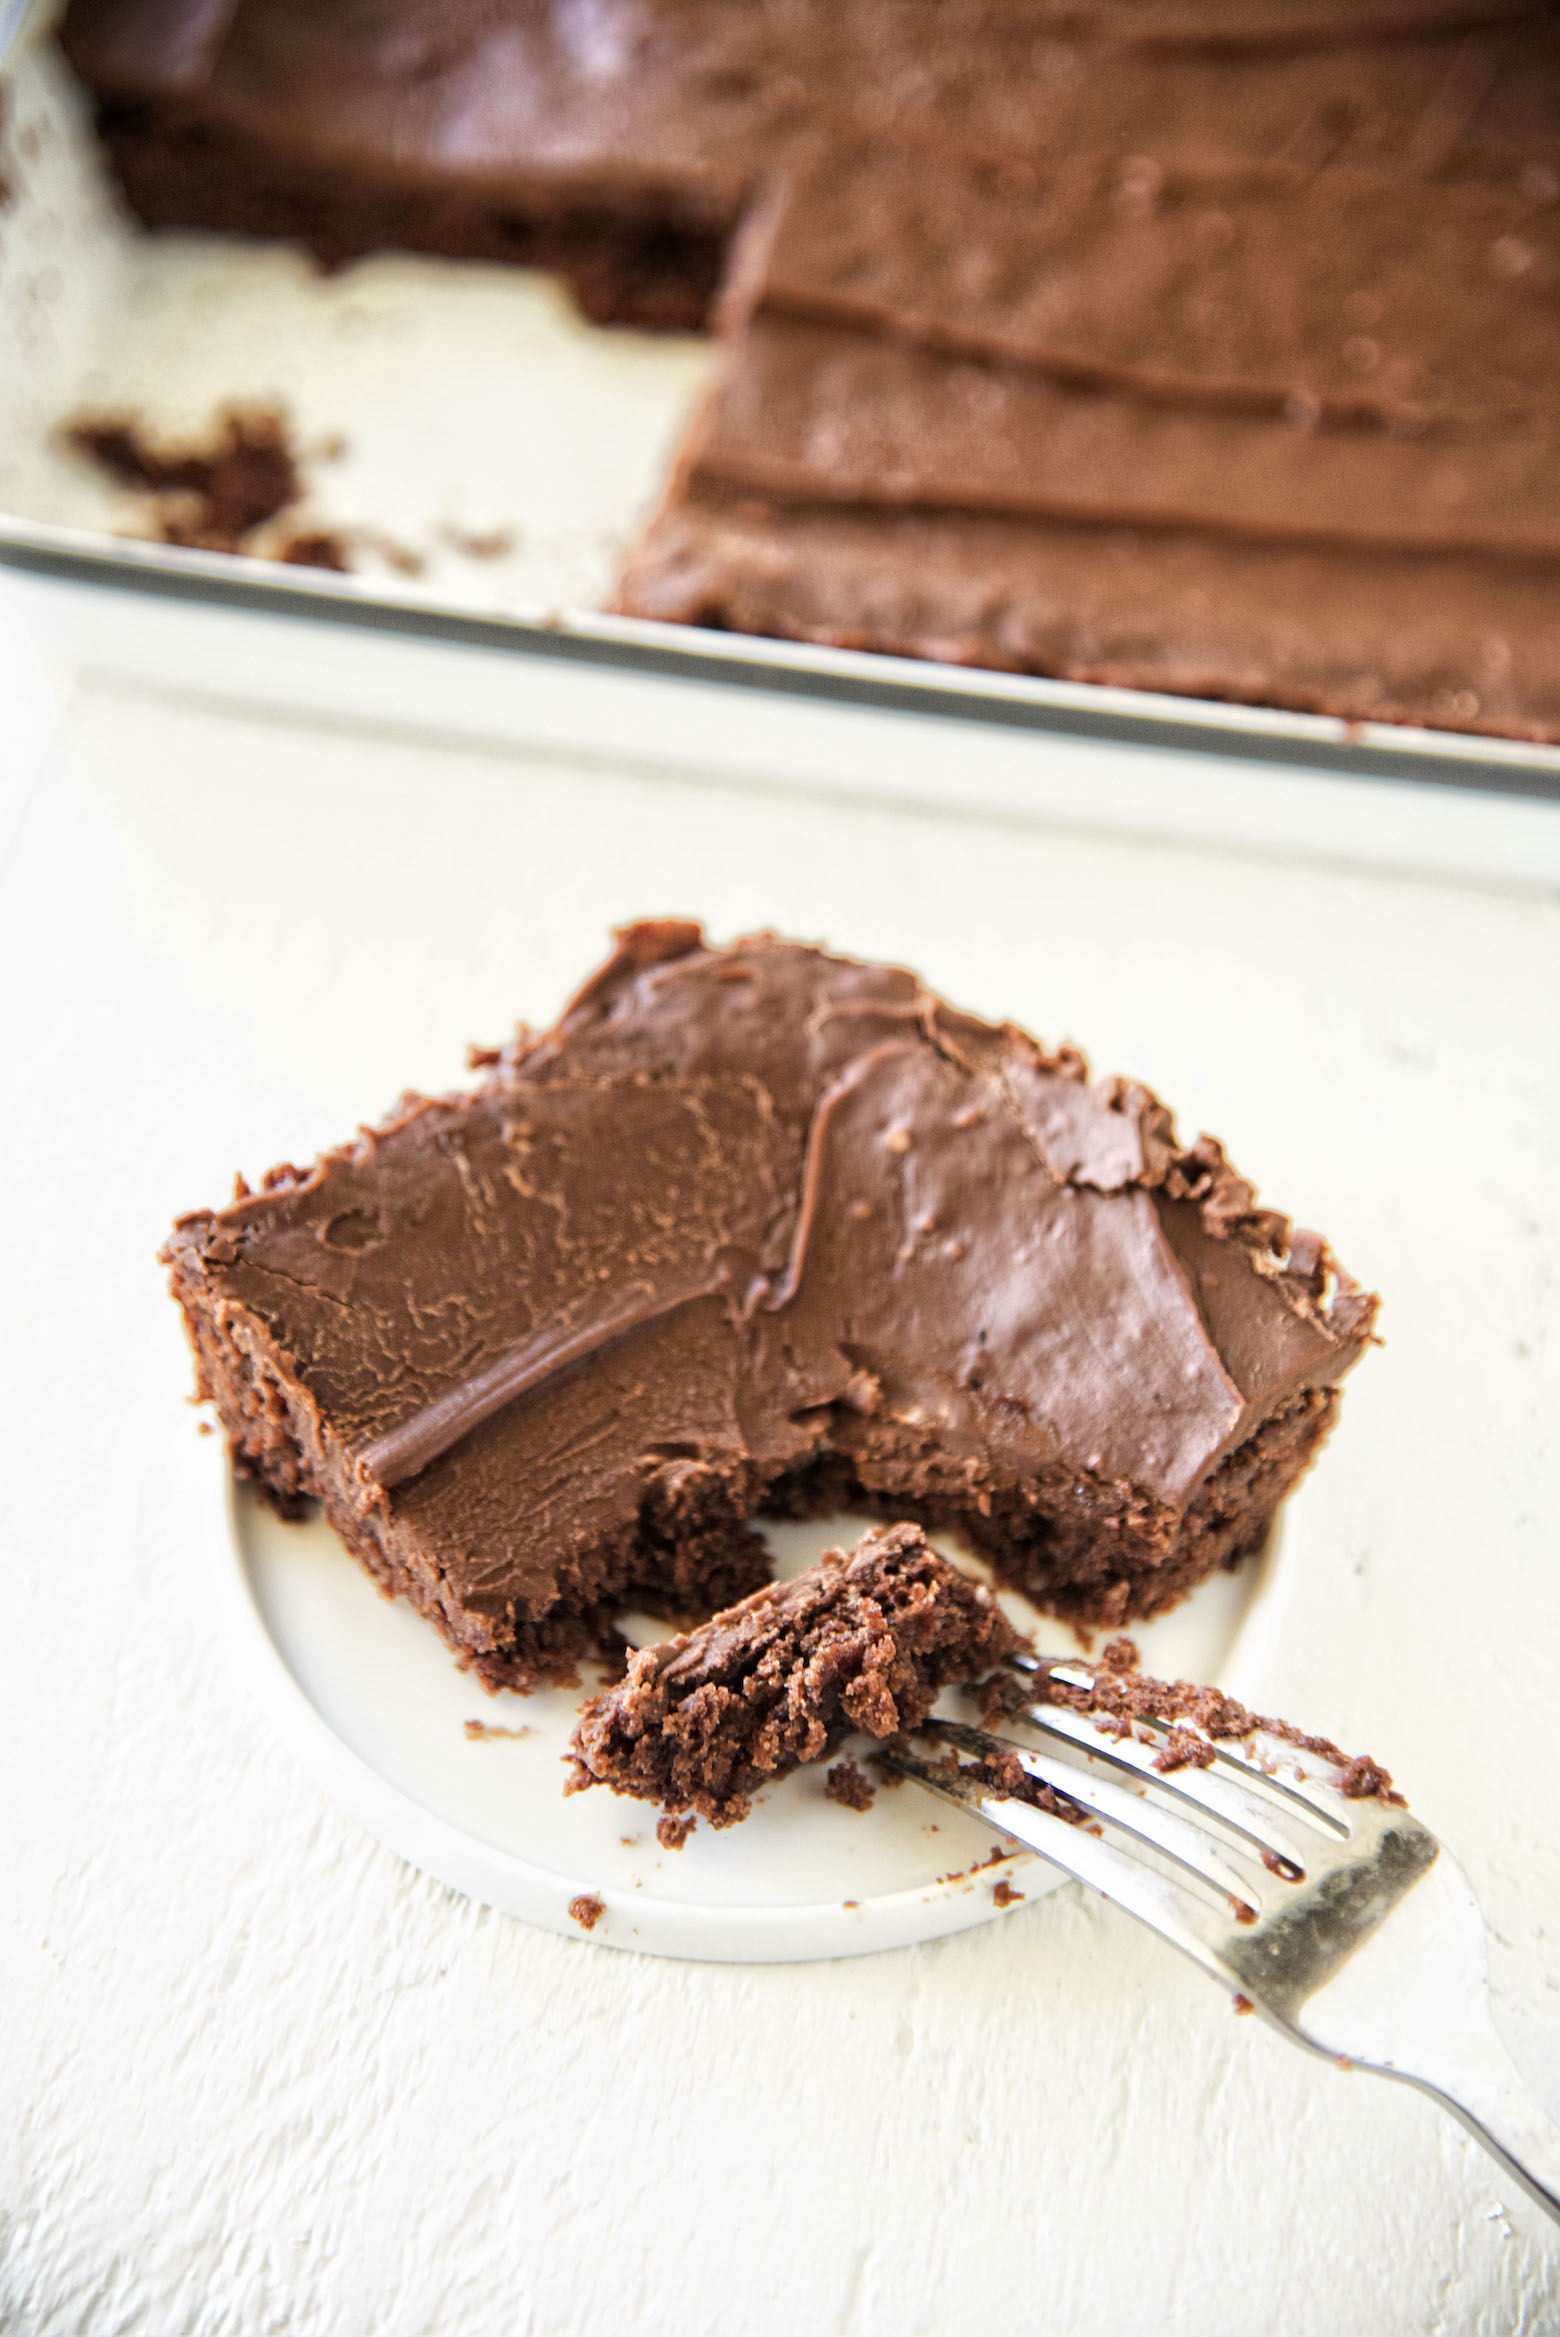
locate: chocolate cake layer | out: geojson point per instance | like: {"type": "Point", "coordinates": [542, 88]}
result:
{"type": "Point", "coordinates": [1341, 293]}
{"type": "Point", "coordinates": [760, 1227]}
{"type": "Point", "coordinates": [1459, 642]}
{"type": "Point", "coordinates": [864, 1642]}
{"type": "Point", "coordinates": [1447, 104]}
{"type": "Point", "coordinates": [820, 414]}
{"type": "Point", "coordinates": [622, 143]}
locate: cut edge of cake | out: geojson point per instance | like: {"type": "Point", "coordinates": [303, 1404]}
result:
{"type": "Point", "coordinates": [860, 1643]}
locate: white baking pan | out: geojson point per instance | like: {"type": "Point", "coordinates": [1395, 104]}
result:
{"type": "Point", "coordinates": [488, 457]}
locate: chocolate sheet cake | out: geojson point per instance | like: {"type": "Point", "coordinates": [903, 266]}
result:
{"type": "Point", "coordinates": [1109, 307]}
{"type": "Point", "coordinates": [863, 1642]}
{"type": "Point", "coordinates": [814, 414]}
{"type": "Point", "coordinates": [759, 1228]}
{"type": "Point", "coordinates": [1388, 637]}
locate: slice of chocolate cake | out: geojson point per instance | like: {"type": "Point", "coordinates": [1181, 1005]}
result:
{"type": "Point", "coordinates": [862, 1642]}
{"type": "Point", "coordinates": [761, 1228]}
{"type": "Point", "coordinates": [1372, 636]}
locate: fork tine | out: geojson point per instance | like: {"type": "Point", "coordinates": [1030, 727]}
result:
{"type": "Point", "coordinates": [1187, 1846]}
{"type": "Point", "coordinates": [1308, 1795]}
{"type": "Point", "coordinates": [1119, 1875]}
{"type": "Point", "coordinates": [1263, 1826]}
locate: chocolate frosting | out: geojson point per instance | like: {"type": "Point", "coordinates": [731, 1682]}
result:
{"type": "Point", "coordinates": [1388, 636]}
{"type": "Point", "coordinates": [818, 413]}
{"type": "Point", "coordinates": [741, 1202]}
{"type": "Point", "coordinates": [642, 96]}
{"type": "Point", "coordinates": [1342, 294]}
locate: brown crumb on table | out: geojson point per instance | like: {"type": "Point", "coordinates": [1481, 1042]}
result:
{"type": "Point", "coordinates": [1243, 2003]}
{"type": "Point", "coordinates": [587, 1910]}
{"type": "Point", "coordinates": [476, 1729]}
{"type": "Point", "coordinates": [672, 1833]}
{"type": "Point", "coordinates": [851, 1787]}
{"type": "Point", "coordinates": [1004, 1895]}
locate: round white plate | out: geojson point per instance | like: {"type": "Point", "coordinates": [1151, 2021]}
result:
{"type": "Point", "coordinates": [370, 1700]}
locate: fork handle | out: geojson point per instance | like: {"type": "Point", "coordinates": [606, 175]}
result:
{"type": "Point", "coordinates": [1498, 2110]}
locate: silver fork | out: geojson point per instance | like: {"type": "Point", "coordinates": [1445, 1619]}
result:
{"type": "Point", "coordinates": [1343, 1922]}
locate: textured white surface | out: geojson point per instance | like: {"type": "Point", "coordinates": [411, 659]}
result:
{"type": "Point", "coordinates": [260, 2077]}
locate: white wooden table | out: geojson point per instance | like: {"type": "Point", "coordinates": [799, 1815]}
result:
{"type": "Point", "coordinates": [257, 2075]}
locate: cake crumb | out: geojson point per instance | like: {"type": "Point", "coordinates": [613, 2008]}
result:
{"type": "Point", "coordinates": [1121, 1698]}
{"type": "Point", "coordinates": [218, 492]}
{"type": "Point", "coordinates": [587, 1910]}
{"type": "Point", "coordinates": [1184, 1751]}
{"type": "Point", "coordinates": [672, 1833]}
{"type": "Point", "coordinates": [476, 1729]}
{"type": "Point", "coordinates": [851, 1787]}
{"type": "Point", "coordinates": [316, 548]}
{"type": "Point", "coordinates": [1243, 2003]}
{"type": "Point", "coordinates": [1366, 1780]}
{"type": "Point", "coordinates": [1004, 1895]}
{"type": "Point", "coordinates": [210, 495]}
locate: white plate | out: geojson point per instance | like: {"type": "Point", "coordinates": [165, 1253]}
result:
{"type": "Point", "coordinates": [369, 1699]}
